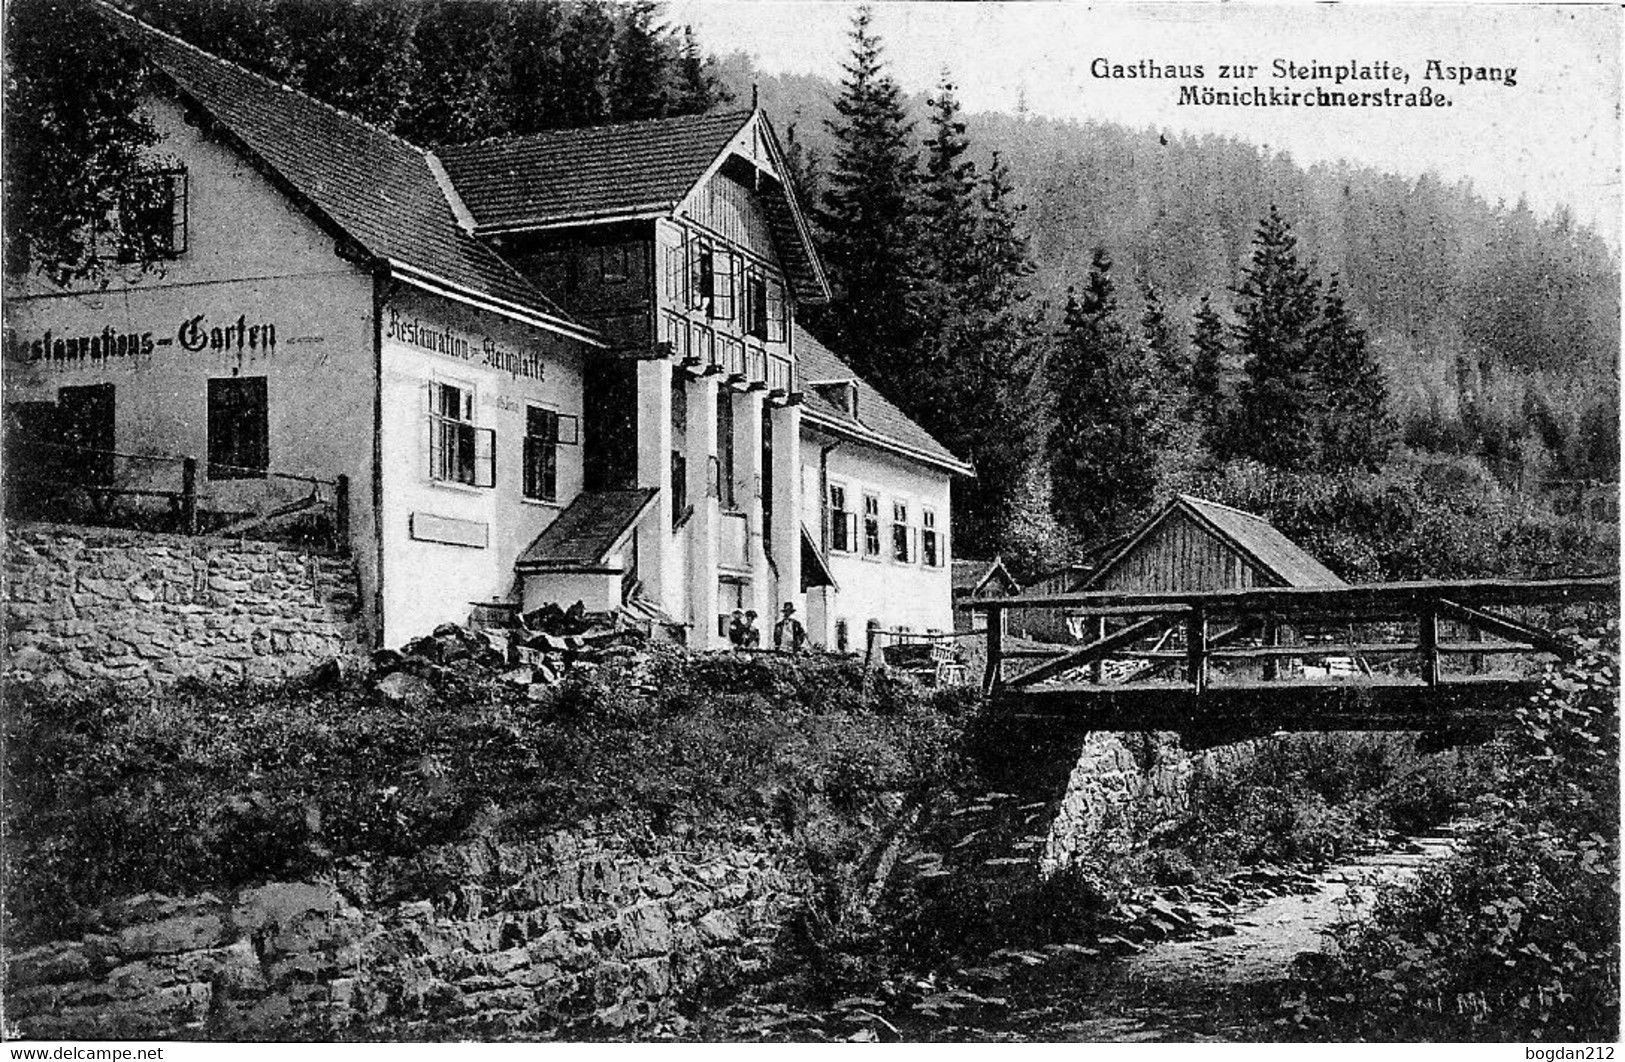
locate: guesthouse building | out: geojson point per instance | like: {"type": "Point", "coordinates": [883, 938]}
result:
{"type": "Point", "coordinates": [548, 369]}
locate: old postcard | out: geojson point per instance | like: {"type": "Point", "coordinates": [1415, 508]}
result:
{"type": "Point", "coordinates": [797, 521]}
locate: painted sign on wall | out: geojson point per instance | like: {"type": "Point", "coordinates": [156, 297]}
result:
{"type": "Point", "coordinates": [194, 334]}
{"type": "Point", "coordinates": [486, 351]}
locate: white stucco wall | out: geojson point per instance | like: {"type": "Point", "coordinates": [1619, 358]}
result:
{"type": "Point", "coordinates": [251, 256]}
{"type": "Point", "coordinates": [431, 582]}
{"type": "Point", "coordinates": [896, 594]}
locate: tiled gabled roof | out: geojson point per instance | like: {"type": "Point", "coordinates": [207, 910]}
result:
{"type": "Point", "coordinates": [603, 171]}
{"type": "Point", "coordinates": [589, 527]}
{"type": "Point", "coordinates": [877, 420]}
{"type": "Point", "coordinates": [376, 189]}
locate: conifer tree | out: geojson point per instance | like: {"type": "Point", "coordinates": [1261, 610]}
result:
{"type": "Point", "coordinates": [868, 215]}
{"type": "Point", "coordinates": [1278, 419]}
{"type": "Point", "coordinates": [1208, 349]}
{"type": "Point", "coordinates": [1356, 430]}
{"type": "Point", "coordinates": [534, 96]}
{"type": "Point", "coordinates": [696, 89]}
{"type": "Point", "coordinates": [587, 63]}
{"type": "Point", "coordinates": [1171, 369]}
{"type": "Point", "coordinates": [454, 101]}
{"type": "Point", "coordinates": [948, 200]}
{"type": "Point", "coordinates": [357, 56]}
{"type": "Point", "coordinates": [638, 88]}
{"type": "Point", "coordinates": [1101, 449]}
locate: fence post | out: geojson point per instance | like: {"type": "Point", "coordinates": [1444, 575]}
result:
{"type": "Point", "coordinates": [1428, 640]}
{"type": "Point", "coordinates": [189, 495]}
{"type": "Point", "coordinates": [995, 649]}
{"type": "Point", "coordinates": [1196, 650]}
{"type": "Point", "coordinates": [341, 513]}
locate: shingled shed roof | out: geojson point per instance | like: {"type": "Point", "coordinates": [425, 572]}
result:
{"type": "Point", "coordinates": [876, 421]}
{"type": "Point", "coordinates": [603, 173]}
{"type": "Point", "coordinates": [583, 535]}
{"type": "Point", "coordinates": [1254, 537]}
{"type": "Point", "coordinates": [366, 186]}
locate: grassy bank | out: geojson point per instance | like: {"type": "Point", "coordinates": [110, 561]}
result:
{"type": "Point", "coordinates": [210, 787]}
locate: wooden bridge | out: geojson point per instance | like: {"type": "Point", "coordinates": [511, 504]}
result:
{"type": "Point", "coordinates": [1421, 655]}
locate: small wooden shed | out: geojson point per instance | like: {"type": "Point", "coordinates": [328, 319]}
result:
{"type": "Point", "coordinates": [1196, 544]}
{"type": "Point", "coordinates": [976, 579]}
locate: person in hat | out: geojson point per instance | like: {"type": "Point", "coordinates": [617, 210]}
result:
{"type": "Point", "coordinates": [751, 636]}
{"type": "Point", "coordinates": [736, 629]}
{"type": "Point", "coordinates": [788, 633]}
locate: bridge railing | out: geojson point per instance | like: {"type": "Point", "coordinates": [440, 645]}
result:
{"type": "Point", "coordinates": [1419, 633]}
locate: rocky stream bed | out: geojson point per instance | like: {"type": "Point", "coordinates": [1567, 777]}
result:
{"type": "Point", "coordinates": [1178, 964]}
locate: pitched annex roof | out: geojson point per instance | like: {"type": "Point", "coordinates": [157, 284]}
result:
{"type": "Point", "coordinates": [877, 420]}
{"type": "Point", "coordinates": [969, 576]}
{"type": "Point", "coordinates": [627, 170]}
{"type": "Point", "coordinates": [589, 527]}
{"type": "Point", "coordinates": [1253, 536]}
{"type": "Point", "coordinates": [589, 173]}
{"type": "Point", "coordinates": [376, 189]}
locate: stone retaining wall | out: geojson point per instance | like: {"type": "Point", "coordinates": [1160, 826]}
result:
{"type": "Point", "coordinates": [577, 931]}
{"type": "Point", "coordinates": [89, 604]}
{"type": "Point", "coordinates": [1125, 785]}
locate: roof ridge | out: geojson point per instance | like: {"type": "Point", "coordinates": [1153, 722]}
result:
{"type": "Point", "coordinates": [1195, 500]}
{"type": "Point", "coordinates": [148, 27]}
{"type": "Point", "coordinates": [503, 140]}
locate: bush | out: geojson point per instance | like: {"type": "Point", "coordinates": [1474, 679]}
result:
{"type": "Point", "coordinates": [1517, 938]}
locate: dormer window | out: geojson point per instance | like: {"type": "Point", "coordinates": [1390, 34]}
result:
{"type": "Point", "coordinates": [843, 394]}
{"type": "Point", "coordinates": [152, 216]}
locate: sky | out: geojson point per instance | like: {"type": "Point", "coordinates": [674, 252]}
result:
{"type": "Point", "coordinates": [1553, 136]}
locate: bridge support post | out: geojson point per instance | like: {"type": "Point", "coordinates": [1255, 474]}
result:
{"type": "Point", "coordinates": [995, 650]}
{"type": "Point", "coordinates": [1196, 650]}
{"type": "Point", "coordinates": [1428, 642]}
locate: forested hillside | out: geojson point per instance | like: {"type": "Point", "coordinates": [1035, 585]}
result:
{"type": "Point", "coordinates": [1092, 315]}
{"type": "Point", "coordinates": [1498, 328]}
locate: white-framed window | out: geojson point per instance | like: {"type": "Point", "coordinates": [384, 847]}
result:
{"type": "Point", "coordinates": [903, 549]}
{"type": "Point", "coordinates": [930, 540]}
{"type": "Point", "coordinates": [545, 431]}
{"type": "Point", "coordinates": [677, 274]}
{"type": "Point", "coordinates": [843, 522]}
{"type": "Point", "coordinates": [459, 451]}
{"type": "Point", "coordinates": [871, 525]}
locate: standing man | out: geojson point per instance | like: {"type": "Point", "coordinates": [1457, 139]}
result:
{"type": "Point", "coordinates": [788, 633]}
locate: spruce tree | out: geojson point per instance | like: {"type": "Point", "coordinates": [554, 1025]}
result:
{"type": "Point", "coordinates": [1278, 416]}
{"type": "Point", "coordinates": [358, 56]}
{"type": "Point", "coordinates": [1168, 363]}
{"type": "Point", "coordinates": [534, 96]}
{"type": "Point", "coordinates": [868, 215]}
{"type": "Point", "coordinates": [1207, 400]}
{"type": "Point", "coordinates": [1102, 452]}
{"type": "Point", "coordinates": [454, 101]}
{"type": "Point", "coordinates": [586, 63]}
{"type": "Point", "coordinates": [1356, 430]}
{"type": "Point", "coordinates": [638, 88]}
{"type": "Point", "coordinates": [696, 88]}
